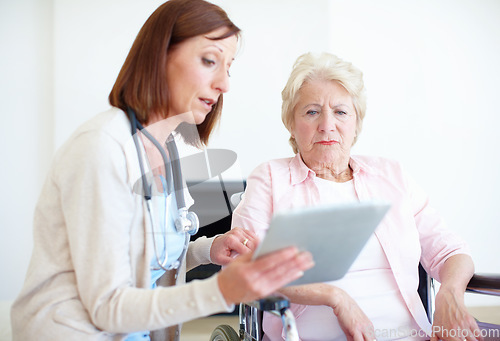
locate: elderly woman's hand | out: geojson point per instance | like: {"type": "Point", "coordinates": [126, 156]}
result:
{"type": "Point", "coordinates": [452, 321]}
{"type": "Point", "coordinates": [245, 280]}
{"type": "Point", "coordinates": [351, 318]}
{"type": "Point", "coordinates": [235, 241]}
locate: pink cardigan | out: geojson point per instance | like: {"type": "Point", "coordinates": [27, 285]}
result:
{"type": "Point", "coordinates": [410, 233]}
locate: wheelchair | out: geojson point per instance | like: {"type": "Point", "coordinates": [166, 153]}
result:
{"type": "Point", "coordinates": [250, 317]}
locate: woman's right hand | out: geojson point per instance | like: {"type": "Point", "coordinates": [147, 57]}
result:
{"type": "Point", "coordinates": [245, 280]}
{"type": "Point", "coordinates": [351, 318]}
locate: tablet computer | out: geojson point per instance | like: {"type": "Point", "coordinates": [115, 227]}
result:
{"type": "Point", "coordinates": [334, 234]}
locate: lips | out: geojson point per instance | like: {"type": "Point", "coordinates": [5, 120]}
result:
{"type": "Point", "coordinates": [208, 103]}
{"type": "Point", "coordinates": [327, 142]}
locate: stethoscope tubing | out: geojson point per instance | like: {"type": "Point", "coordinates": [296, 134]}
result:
{"type": "Point", "coordinates": [176, 169]}
{"type": "Point", "coordinates": [174, 172]}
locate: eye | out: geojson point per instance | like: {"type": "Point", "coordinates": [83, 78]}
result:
{"type": "Point", "coordinates": [208, 61]}
{"type": "Point", "coordinates": [311, 112]}
{"type": "Point", "coordinates": [341, 113]}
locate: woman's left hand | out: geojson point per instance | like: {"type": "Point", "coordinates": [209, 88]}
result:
{"type": "Point", "coordinates": [234, 242]}
{"type": "Point", "coordinates": [452, 321]}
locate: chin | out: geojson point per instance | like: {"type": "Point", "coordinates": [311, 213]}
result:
{"type": "Point", "coordinates": [199, 118]}
{"type": "Point", "coordinates": [329, 157]}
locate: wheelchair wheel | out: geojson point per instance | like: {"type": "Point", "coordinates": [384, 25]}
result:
{"type": "Point", "coordinates": [224, 333]}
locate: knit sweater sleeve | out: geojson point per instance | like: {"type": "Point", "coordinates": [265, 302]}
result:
{"type": "Point", "coordinates": [99, 206]}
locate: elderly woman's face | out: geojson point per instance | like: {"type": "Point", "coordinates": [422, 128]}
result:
{"type": "Point", "coordinates": [324, 123]}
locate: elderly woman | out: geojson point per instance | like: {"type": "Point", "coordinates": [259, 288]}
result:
{"type": "Point", "coordinates": [323, 109]}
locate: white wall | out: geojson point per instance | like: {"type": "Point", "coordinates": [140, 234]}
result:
{"type": "Point", "coordinates": [26, 131]}
{"type": "Point", "coordinates": [430, 69]}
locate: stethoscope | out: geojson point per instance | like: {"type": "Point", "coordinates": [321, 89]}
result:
{"type": "Point", "coordinates": [186, 222]}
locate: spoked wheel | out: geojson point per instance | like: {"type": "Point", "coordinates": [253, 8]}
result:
{"type": "Point", "coordinates": [224, 333]}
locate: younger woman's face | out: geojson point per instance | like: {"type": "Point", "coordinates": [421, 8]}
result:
{"type": "Point", "coordinates": [198, 73]}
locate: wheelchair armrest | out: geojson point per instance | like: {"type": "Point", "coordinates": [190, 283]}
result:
{"type": "Point", "coordinates": [270, 303]}
{"type": "Point", "coordinates": [488, 284]}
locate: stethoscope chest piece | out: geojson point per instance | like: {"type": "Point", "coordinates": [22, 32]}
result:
{"type": "Point", "coordinates": [187, 222]}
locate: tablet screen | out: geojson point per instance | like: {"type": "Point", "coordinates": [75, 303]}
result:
{"type": "Point", "coordinates": [334, 234]}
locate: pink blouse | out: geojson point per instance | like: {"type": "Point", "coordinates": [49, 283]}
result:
{"type": "Point", "coordinates": [411, 232]}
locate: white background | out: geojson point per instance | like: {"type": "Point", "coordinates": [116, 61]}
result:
{"type": "Point", "coordinates": [431, 70]}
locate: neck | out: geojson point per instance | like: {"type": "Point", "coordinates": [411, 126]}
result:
{"type": "Point", "coordinates": [335, 174]}
{"type": "Point", "coordinates": [160, 128]}
{"type": "Point", "coordinates": [334, 168]}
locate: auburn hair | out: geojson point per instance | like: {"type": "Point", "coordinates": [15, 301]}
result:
{"type": "Point", "coordinates": [142, 82]}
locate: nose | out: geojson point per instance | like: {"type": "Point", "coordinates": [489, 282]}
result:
{"type": "Point", "coordinates": [327, 122]}
{"type": "Point", "coordinates": [221, 81]}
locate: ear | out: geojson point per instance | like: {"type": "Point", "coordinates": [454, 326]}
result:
{"type": "Point", "coordinates": [291, 130]}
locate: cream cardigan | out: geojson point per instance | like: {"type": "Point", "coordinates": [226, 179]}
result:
{"type": "Point", "coordinates": [89, 276]}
